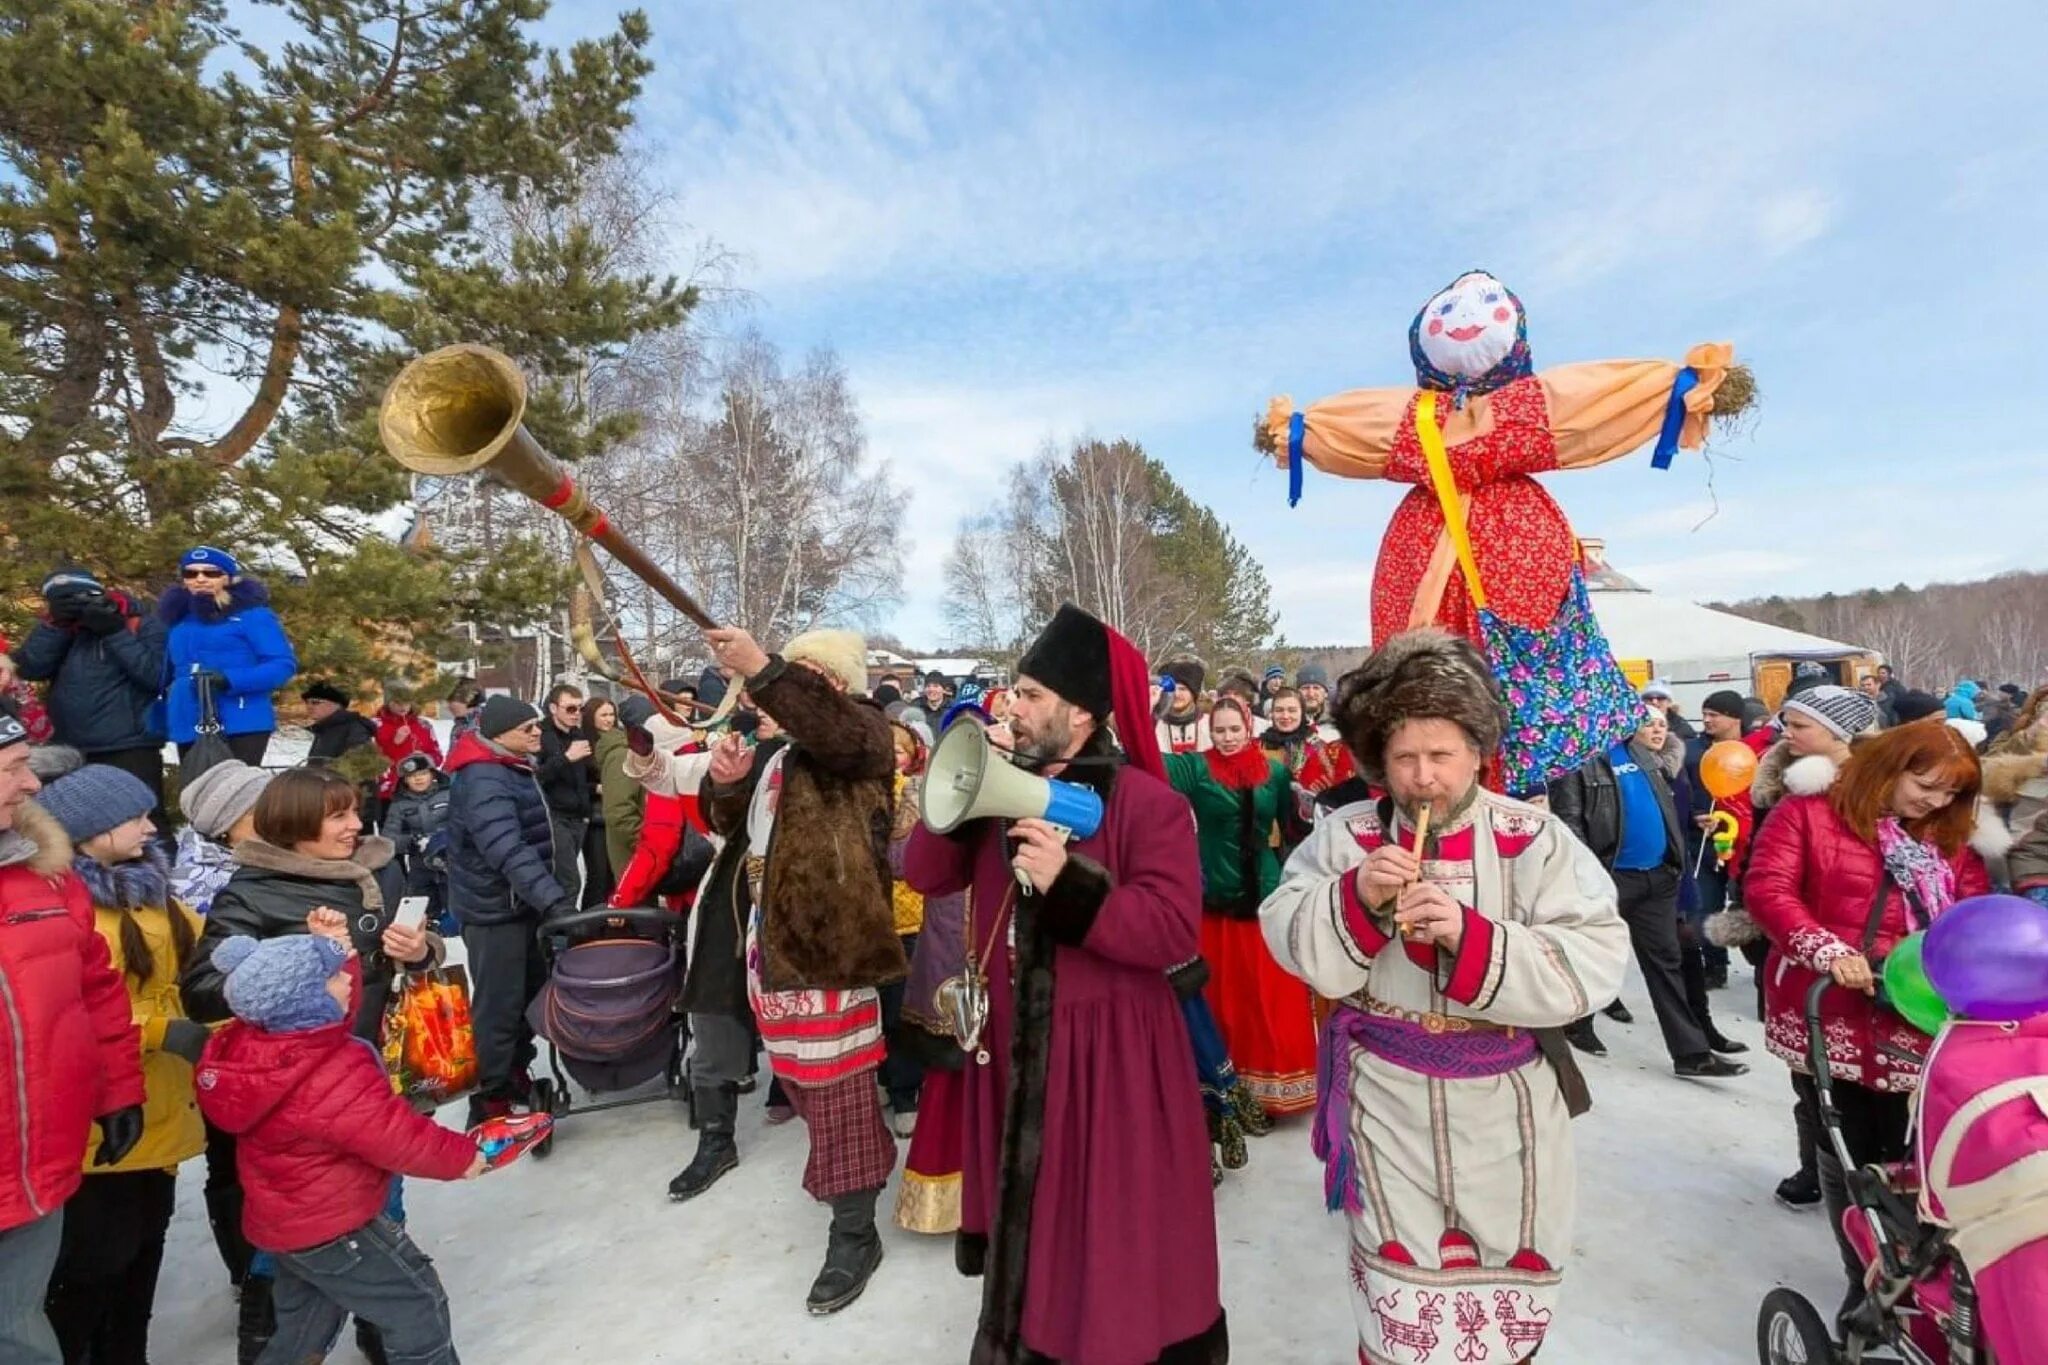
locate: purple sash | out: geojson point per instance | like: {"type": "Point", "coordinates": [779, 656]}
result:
{"type": "Point", "coordinates": [1446, 1056]}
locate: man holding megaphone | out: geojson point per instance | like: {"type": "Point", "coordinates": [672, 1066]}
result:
{"type": "Point", "coordinates": [1085, 1194]}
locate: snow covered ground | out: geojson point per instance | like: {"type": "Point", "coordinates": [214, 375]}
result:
{"type": "Point", "coordinates": [582, 1258]}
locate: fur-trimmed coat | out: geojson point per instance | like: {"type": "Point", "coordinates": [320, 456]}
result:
{"type": "Point", "coordinates": [828, 918]}
{"type": "Point", "coordinates": [1085, 1196]}
{"type": "Point", "coordinates": [2016, 784]}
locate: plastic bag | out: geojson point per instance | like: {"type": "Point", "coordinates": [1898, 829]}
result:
{"type": "Point", "coordinates": [429, 1040]}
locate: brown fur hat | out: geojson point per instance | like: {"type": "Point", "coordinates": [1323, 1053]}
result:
{"type": "Point", "coordinates": [1424, 674]}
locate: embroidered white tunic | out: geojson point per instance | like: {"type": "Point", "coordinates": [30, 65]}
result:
{"type": "Point", "coordinates": [1459, 1166]}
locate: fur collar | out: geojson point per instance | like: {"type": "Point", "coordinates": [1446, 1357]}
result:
{"type": "Point", "coordinates": [179, 603]}
{"type": "Point", "coordinates": [1990, 837]}
{"type": "Point", "coordinates": [135, 885]}
{"type": "Point", "coordinates": [1101, 774]}
{"type": "Point", "coordinates": [1779, 774]}
{"type": "Point", "coordinates": [2007, 773]}
{"type": "Point", "coordinates": [36, 840]}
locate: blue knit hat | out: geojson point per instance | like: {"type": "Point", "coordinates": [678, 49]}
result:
{"type": "Point", "coordinates": [280, 984]}
{"type": "Point", "coordinates": [95, 799]}
{"type": "Point", "coordinates": [213, 556]}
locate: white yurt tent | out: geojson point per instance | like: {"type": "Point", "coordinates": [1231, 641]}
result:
{"type": "Point", "coordinates": [1697, 650]}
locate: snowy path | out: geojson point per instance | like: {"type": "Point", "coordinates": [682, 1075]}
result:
{"type": "Point", "coordinates": [582, 1258]}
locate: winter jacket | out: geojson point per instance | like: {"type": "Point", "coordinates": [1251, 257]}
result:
{"type": "Point", "coordinates": [501, 842]}
{"type": "Point", "coordinates": [625, 801]}
{"type": "Point", "coordinates": [400, 737]}
{"type": "Point", "coordinates": [412, 816]}
{"type": "Point", "coordinates": [1961, 702]}
{"type": "Point", "coordinates": [564, 785]}
{"type": "Point", "coordinates": [171, 1130]}
{"type": "Point", "coordinates": [1240, 866]}
{"type": "Point", "coordinates": [1813, 885]}
{"type": "Point", "coordinates": [1588, 801]}
{"type": "Point", "coordinates": [271, 894]}
{"type": "Point", "coordinates": [243, 642]}
{"type": "Point", "coordinates": [318, 1131]}
{"type": "Point", "coordinates": [199, 869]}
{"type": "Point", "coordinates": [338, 734]}
{"type": "Point", "coordinates": [102, 688]}
{"type": "Point", "coordinates": [828, 919]}
{"type": "Point", "coordinates": [2016, 783]}
{"type": "Point", "coordinates": [69, 1048]}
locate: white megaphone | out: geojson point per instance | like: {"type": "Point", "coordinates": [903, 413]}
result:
{"type": "Point", "coordinates": [969, 779]}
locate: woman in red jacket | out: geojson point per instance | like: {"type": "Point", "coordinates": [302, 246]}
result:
{"type": "Point", "coordinates": [1836, 879]}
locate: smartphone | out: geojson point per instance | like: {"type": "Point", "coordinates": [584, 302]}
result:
{"type": "Point", "coordinates": [412, 912]}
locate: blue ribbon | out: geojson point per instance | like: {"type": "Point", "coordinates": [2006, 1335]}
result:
{"type": "Point", "coordinates": [1674, 417]}
{"type": "Point", "coordinates": [1297, 428]}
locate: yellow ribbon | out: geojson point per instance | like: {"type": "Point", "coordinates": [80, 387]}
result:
{"type": "Point", "coordinates": [1432, 438]}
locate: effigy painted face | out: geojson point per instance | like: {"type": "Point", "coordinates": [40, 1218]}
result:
{"type": "Point", "coordinates": [1470, 327]}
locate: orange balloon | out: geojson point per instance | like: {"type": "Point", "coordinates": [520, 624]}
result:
{"type": "Point", "coordinates": [1727, 768]}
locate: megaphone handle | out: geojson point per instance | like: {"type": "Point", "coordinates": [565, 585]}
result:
{"type": "Point", "coordinates": [1023, 880]}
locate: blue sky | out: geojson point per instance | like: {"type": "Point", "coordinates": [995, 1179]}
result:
{"type": "Point", "coordinates": [1030, 221]}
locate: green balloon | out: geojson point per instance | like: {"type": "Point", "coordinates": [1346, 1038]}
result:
{"type": "Point", "coordinates": [1910, 992]}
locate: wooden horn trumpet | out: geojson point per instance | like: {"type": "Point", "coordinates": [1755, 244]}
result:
{"type": "Point", "coordinates": [460, 409]}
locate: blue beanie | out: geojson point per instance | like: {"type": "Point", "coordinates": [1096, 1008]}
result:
{"type": "Point", "coordinates": [94, 799]}
{"type": "Point", "coordinates": [214, 556]}
{"type": "Point", "coordinates": [280, 984]}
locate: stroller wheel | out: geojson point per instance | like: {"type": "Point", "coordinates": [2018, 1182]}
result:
{"type": "Point", "coordinates": [544, 1102]}
{"type": "Point", "coordinates": [1791, 1331]}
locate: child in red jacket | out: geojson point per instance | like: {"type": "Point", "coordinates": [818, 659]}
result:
{"type": "Point", "coordinates": [320, 1136]}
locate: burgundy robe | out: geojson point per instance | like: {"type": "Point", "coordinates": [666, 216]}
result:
{"type": "Point", "coordinates": [1086, 1186]}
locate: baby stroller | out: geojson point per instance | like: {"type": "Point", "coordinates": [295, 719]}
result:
{"type": "Point", "coordinates": [608, 1010]}
{"type": "Point", "coordinates": [1920, 1305]}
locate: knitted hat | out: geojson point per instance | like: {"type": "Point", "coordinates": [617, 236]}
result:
{"type": "Point", "coordinates": [415, 763]}
{"type": "Point", "coordinates": [1846, 713]}
{"type": "Point", "coordinates": [12, 731]}
{"type": "Point", "coordinates": [324, 691]}
{"type": "Point", "coordinates": [71, 579]}
{"type": "Point", "coordinates": [1916, 705]}
{"type": "Point", "coordinates": [1312, 675]}
{"type": "Point", "coordinates": [1726, 702]}
{"type": "Point", "coordinates": [1807, 674]}
{"type": "Point", "coordinates": [52, 761]}
{"type": "Point", "coordinates": [1273, 671]}
{"type": "Point", "coordinates": [504, 714]}
{"type": "Point", "coordinates": [842, 654]}
{"type": "Point", "coordinates": [280, 984]}
{"type": "Point", "coordinates": [213, 557]}
{"type": "Point", "coordinates": [95, 799]}
{"type": "Point", "coordinates": [932, 677]}
{"type": "Point", "coordinates": [221, 795]}
{"type": "Point", "coordinates": [1656, 688]}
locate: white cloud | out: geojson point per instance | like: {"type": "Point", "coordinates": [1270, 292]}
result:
{"type": "Point", "coordinates": [1787, 221]}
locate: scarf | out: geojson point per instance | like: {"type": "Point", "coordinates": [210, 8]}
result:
{"type": "Point", "coordinates": [371, 854]}
{"type": "Point", "coordinates": [1516, 364]}
{"type": "Point", "coordinates": [1243, 773]}
{"type": "Point", "coordinates": [1918, 869]}
{"type": "Point", "coordinates": [200, 870]}
{"type": "Point", "coordinates": [135, 885]}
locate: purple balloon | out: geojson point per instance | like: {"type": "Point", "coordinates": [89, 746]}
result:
{"type": "Point", "coordinates": [1988, 956]}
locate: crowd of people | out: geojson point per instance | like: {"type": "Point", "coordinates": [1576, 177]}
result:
{"type": "Point", "coordinates": [1307, 907]}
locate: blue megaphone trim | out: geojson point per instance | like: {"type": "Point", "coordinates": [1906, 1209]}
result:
{"type": "Point", "coordinates": [1072, 807]}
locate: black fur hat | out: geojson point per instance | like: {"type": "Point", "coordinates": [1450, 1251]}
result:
{"type": "Point", "coordinates": [1071, 656]}
{"type": "Point", "coordinates": [1425, 674]}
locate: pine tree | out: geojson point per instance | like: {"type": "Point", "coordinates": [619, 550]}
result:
{"type": "Point", "coordinates": [215, 252]}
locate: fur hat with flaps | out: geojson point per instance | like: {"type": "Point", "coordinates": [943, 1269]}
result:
{"type": "Point", "coordinates": [1425, 674]}
{"type": "Point", "coordinates": [843, 654]}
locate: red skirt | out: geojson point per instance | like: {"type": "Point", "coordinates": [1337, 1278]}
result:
{"type": "Point", "coordinates": [929, 1198]}
{"type": "Point", "coordinates": [1267, 1017]}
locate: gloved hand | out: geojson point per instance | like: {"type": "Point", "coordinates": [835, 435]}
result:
{"type": "Point", "coordinates": [214, 679]}
{"type": "Point", "coordinates": [183, 1038]}
{"type": "Point", "coordinates": [640, 740]}
{"type": "Point", "coordinates": [119, 1131]}
{"type": "Point", "coordinates": [102, 616]}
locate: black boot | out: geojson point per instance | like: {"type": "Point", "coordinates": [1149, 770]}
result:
{"type": "Point", "coordinates": [717, 1107]}
{"type": "Point", "coordinates": [258, 1321]}
{"type": "Point", "coordinates": [852, 1253]}
{"type": "Point", "coordinates": [224, 1215]}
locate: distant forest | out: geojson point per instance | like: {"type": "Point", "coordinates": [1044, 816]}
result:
{"type": "Point", "coordinates": [1994, 629]}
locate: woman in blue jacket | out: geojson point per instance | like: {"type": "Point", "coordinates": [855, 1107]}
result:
{"type": "Point", "coordinates": [220, 624]}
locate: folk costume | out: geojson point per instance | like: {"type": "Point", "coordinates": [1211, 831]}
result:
{"type": "Point", "coordinates": [1478, 547]}
{"type": "Point", "coordinates": [1443, 1119]}
{"type": "Point", "coordinates": [1083, 1124]}
{"type": "Point", "coordinates": [1265, 1014]}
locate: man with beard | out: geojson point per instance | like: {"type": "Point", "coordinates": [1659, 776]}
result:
{"type": "Point", "coordinates": [1085, 1198]}
{"type": "Point", "coordinates": [1312, 681]}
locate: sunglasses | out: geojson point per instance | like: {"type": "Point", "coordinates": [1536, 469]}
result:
{"type": "Point", "coordinates": [570, 708]}
{"type": "Point", "coordinates": [531, 727]}
{"type": "Point", "coordinates": [203, 573]}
